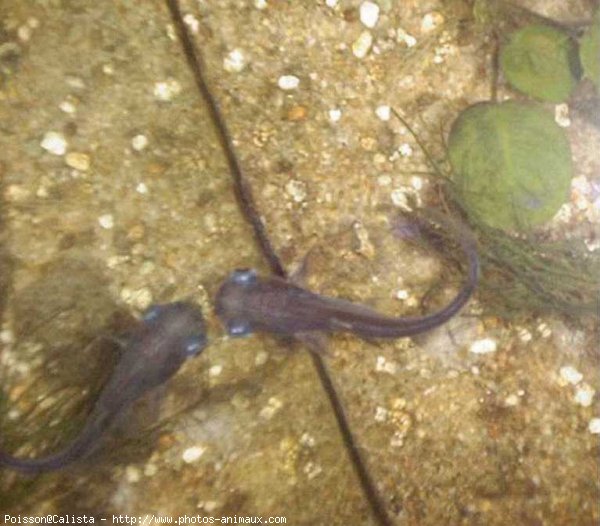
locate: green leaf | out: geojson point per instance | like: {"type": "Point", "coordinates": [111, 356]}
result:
{"type": "Point", "coordinates": [540, 61]}
{"type": "Point", "coordinates": [511, 163]}
{"type": "Point", "coordinates": [589, 51]}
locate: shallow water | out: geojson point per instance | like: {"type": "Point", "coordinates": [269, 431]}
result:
{"type": "Point", "coordinates": [112, 224]}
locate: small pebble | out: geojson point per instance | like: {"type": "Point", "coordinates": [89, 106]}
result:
{"type": "Point", "coordinates": [431, 21]}
{"type": "Point", "coordinates": [561, 115]}
{"type": "Point", "coordinates": [381, 414]}
{"type": "Point", "coordinates": [296, 113]}
{"type": "Point", "coordinates": [288, 82]}
{"type": "Point", "coordinates": [405, 150]}
{"type": "Point", "coordinates": [511, 400]}
{"type": "Point", "coordinates": [54, 142]}
{"type": "Point", "coordinates": [67, 107]}
{"type": "Point", "coordinates": [296, 190]}
{"type": "Point", "coordinates": [335, 114]}
{"type": "Point", "coordinates": [484, 346]}
{"type": "Point", "coordinates": [141, 188]}
{"type": "Point", "coordinates": [106, 221]}
{"type": "Point", "coordinates": [369, 14]}
{"type": "Point", "coordinates": [166, 90]}
{"type": "Point", "coordinates": [235, 61]}
{"type": "Point", "coordinates": [403, 36]}
{"type": "Point", "coordinates": [331, 3]}
{"type": "Point", "coordinates": [383, 112]}
{"type": "Point", "coordinates": [594, 426]}
{"type": "Point", "coordinates": [139, 142]}
{"type": "Point", "coordinates": [416, 182]}
{"type": "Point", "coordinates": [384, 180]}
{"type": "Point", "coordinates": [384, 366]}
{"type": "Point", "coordinates": [272, 407]}
{"type": "Point", "coordinates": [362, 45]}
{"type": "Point", "coordinates": [215, 371]}
{"type": "Point", "coordinates": [78, 160]}
{"type": "Point", "coordinates": [132, 474]}
{"type": "Point", "coordinates": [261, 358]}
{"type": "Point", "coordinates": [399, 199]}
{"type": "Point", "coordinates": [584, 395]}
{"type": "Point", "coordinates": [570, 375]}
{"type": "Point", "coordinates": [192, 454]}
{"type": "Point", "coordinates": [307, 440]}
{"type": "Point", "coordinates": [402, 294]}
{"type": "Point", "coordinates": [260, 4]}
{"type": "Point", "coordinates": [312, 470]}
{"type": "Point", "coordinates": [192, 22]}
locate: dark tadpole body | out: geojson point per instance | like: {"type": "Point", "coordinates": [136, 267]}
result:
{"type": "Point", "coordinates": [247, 303]}
{"type": "Point", "coordinates": [167, 335]}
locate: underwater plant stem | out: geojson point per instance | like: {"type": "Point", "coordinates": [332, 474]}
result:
{"type": "Point", "coordinates": [250, 212]}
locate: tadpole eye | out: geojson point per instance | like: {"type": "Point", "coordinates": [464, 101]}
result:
{"type": "Point", "coordinates": [195, 344]}
{"type": "Point", "coordinates": [243, 276]}
{"type": "Point", "coordinates": [152, 313]}
{"type": "Point", "coordinates": [239, 328]}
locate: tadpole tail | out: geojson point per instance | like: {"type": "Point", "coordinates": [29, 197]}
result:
{"type": "Point", "coordinates": [242, 190]}
{"type": "Point", "coordinates": [248, 207]}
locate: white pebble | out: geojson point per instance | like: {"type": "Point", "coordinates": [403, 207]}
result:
{"type": "Point", "coordinates": [511, 400]}
{"type": "Point", "coordinates": [166, 90]}
{"type": "Point", "coordinates": [288, 82]}
{"type": "Point", "coordinates": [191, 454]}
{"type": "Point", "coordinates": [54, 142]}
{"type": "Point", "coordinates": [594, 426]}
{"type": "Point", "coordinates": [307, 440]}
{"type": "Point", "coordinates": [403, 36]}
{"type": "Point", "coordinates": [192, 22]}
{"type": "Point", "coordinates": [132, 474]}
{"type": "Point", "coordinates": [335, 114]}
{"type": "Point", "coordinates": [296, 190]}
{"type": "Point", "coordinates": [381, 414]}
{"type": "Point", "coordinates": [383, 112]}
{"type": "Point", "coordinates": [261, 358]}
{"type": "Point", "coordinates": [561, 115]}
{"type": "Point", "coordinates": [570, 375]}
{"type": "Point", "coordinates": [369, 14]}
{"type": "Point", "coordinates": [362, 45]}
{"type": "Point", "coordinates": [416, 182]}
{"type": "Point", "coordinates": [215, 370]}
{"type": "Point", "coordinates": [260, 4]}
{"type": "Point", "coordinates": [272, 407]}
{"type": "Point", "coordinates": [312, 470]}
{"type": "Point", "coordinates": [235, 61]}
{"type": "Point", "coordinates": [484, 346]}
{"type": "Point", "coordinates": [399, 199]}
{"type": "Point", "coordinates": [405, 150]}
{"type": "Point", "coordinates": [384, 180]}
{"type": "Point", "coordinates": [331, 3]}
{"type": "Point", "coordinates": [402, 294]}
{"type": "Point", "coordinates": [431, 21]}
{"type": "Point", "coordinates": [67, 107]}
{"type": "Point", "coordinates": [106, 221]}
{"type": "Point", "coordinates": [584, 395]}
{"type": "Point", "coordinates": [139, 142]}
{"type": "Point", "coordinates": [141, 188]}
{"type": "Point", "coordinates": [383, 366]}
